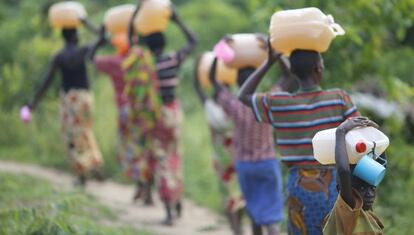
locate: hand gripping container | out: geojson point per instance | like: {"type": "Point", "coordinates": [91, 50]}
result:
{"type": "Point", "coordinates": [359, 142]}
{"type": "Point", "coordinates": [117, 19]}
{"type": "Point", "coordinates": [65, 15]}
{"type": "Point", "coordinates": [224, 74]}
{"type": "Point", "coordinates": [249, 51]}
{"type": "Point", "coordinates": [153, 17]}
{"type": "Point", "coordinates": [306, 29]}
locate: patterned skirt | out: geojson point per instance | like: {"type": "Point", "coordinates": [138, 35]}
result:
{"type": "Point", "coordinates": [225, 170]}
{"type": "Point", "coordinates": [79, 139]}
{"type": "Point", "coordinates": [311, 195]}
{"type": "Point", "coordinates": [166, 147]}
{"type": "Point", "coordinates": [135, 145]}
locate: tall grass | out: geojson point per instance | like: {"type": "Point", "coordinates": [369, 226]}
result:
{"type": "Point", "coordinates": [33, 206]}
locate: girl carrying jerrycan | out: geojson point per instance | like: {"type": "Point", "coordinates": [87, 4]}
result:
{"type": "Point", "coordinates": [352, 212]}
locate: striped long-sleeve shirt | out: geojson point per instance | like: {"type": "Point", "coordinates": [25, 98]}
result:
{"type": "Point", "coordinates": [252, 141]}
{"type": "Point", "coordinates": [168, 66]}
{"type": "Point", "coordinates": [297, 117]}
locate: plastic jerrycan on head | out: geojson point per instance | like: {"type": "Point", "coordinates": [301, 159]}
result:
{"type": "Point", "coordinates": [153, 16]}
{"type": "Point", "coordinates": [117, 18]}
{"type": "Point", "coordinates": [306, 29]}
{"type": "Point", "coordinates": [250, 51]}
{"type": "Point", "coordinates": [66, 14]}
{"type": "Point", "coordinates": [359, 142]}
{"type": "Point", "coordinates": [224, 74]}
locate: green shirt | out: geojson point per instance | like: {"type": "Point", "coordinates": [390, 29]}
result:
{"type": "Point", "coordinates": [344, 220]}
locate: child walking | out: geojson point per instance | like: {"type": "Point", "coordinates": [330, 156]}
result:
{"type": "Point", "coordinates": [257, 168]}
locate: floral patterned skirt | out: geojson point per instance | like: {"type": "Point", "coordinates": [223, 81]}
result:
{"type": "Point", "coordinates": [311, 195]}
{"type": "Point", "coordinates": [135, 151]}
{"type": "Point", "coordinates": [167, 152]}
{"type": "Point", "coordinates": [224, 167]}
{"type": "Point", "coordinates": [79, 139]}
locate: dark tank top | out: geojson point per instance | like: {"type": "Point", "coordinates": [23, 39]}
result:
{"type": "Point", "coordinates": [71, 63]}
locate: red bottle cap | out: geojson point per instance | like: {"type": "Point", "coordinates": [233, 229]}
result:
{"type": "Point", "coordinates": [360, 147]}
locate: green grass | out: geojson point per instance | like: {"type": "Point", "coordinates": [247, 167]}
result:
{"type": "Point", "coordinates": [32, 206]}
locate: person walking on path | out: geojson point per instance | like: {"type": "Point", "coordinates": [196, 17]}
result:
{"type": "Point", "coordinates": [135, 124]}
{"type": "Point", "coordinates": [296, 117]}
{"type": "Point", "coordinates": [76, 103]}
{"type": "Point", "coordinates": [168, 128]}
{"type": "Point", "coordinates": [223, 148]}
{"type": "Point", "coordinates": [257, 168]}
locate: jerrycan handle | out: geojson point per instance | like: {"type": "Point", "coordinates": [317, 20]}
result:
{"type": "Point", "coordinates": [337, 29]}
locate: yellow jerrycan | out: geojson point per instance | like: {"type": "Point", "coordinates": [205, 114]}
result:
{"type": "Point", "coordinates": [306, 29]}
{"type": "Point", "coordinates": [153, 17]}
{"type": "Point", "coordinates": [224, 74]}
{"type": "Point", "coordinates": [117, 18]}
{"type": "Point", "coordinates": [249, 51]}
{"type": "Point", "coordinates": [66, 14]}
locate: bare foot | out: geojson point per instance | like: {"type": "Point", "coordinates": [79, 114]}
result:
{"type": "Point", "coordinates": [179, 209]}
{"type": "Point", "coordinates": [168, 222]}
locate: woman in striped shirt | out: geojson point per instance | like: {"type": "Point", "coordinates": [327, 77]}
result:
{"type": "Point", "coordinates": [167, 130]}
{"type": "Point", "coordinates": [296, 118]}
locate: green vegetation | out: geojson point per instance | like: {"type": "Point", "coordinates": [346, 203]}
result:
{"type": "Point", "coordinates": [378, 47]}
{"type": "Point", "coordinates": [33, 206]}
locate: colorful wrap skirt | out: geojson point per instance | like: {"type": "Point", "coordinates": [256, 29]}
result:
{"type": "Point", "coordinates": [77, 132]}
{"type": "Point", "coordinates": [135, 146]}
{"type": "Point", "coordinates": [311, 196]}
{"type": "Point", "coordinates": [139, 115]}
{"type": "Point", "coordinates": [166, 145]}
{"type": "Point", "coordinates": [224, 167]}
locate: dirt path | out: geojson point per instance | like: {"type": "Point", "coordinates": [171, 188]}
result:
{"type": "Point", "coordinates": [195, 220]}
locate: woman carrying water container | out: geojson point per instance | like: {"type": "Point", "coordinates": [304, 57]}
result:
{"type": "Point", "coordinates": [132, 71]}
{"type": "Point", "coordinates": [150, 20]}
{"type": "Point", "coordinates": [257, 168]}
{"type": "Point", "coordinates": [296, 117]}
{"type": "Point", "coordinates": [76, 99]}
{"type": "Point", "coordinates": [221, 131]}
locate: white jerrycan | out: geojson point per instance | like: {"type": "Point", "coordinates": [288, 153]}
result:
{"type": "Point", "coordinates": [359, 142]}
